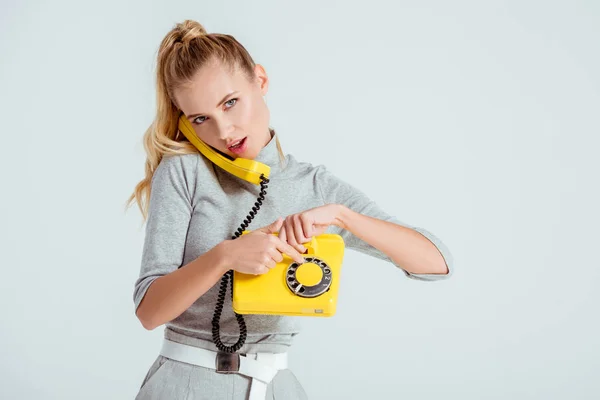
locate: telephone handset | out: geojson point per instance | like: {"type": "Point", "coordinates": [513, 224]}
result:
{"type": "Point", "coordinates": [289, 288]}
{"type": "Point", "coordinates": [248, 170]}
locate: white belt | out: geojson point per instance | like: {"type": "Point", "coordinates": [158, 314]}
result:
{"type": "Point", "coordinates": [261, 367]}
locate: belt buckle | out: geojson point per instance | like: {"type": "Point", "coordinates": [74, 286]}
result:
{"type": "Point", "coordinates": [228, 363]}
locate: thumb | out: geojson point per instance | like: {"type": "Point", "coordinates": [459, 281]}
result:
{"type": "Point", "coordinates": [274, 227]}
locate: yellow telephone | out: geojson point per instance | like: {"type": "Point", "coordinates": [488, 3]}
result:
{"type": "Point", "coordinates": [308, 289]}
{"type": "Point", "coordinates": [289, 288]}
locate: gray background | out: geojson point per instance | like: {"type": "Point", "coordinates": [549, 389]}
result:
{"type": "Point", "coordinates": [476, 120]}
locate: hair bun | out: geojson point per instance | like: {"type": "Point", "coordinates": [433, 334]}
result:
{"type": "Point", "coordinates": [189, 30]}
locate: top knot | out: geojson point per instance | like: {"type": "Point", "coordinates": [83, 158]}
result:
{"type": "Point", "coordinates": [189, 30]}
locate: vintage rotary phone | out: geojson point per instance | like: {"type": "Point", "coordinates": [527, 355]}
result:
{"type": "Point", "coordinates": [295, 289]}
{"type": "Point", "coordinates": [308, 289]}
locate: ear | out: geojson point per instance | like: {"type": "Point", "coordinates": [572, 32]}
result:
{"type": "Point", "coordinates": [262, 79]}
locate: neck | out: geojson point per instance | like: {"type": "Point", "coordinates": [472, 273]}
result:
{"type": "Point", "coordinates": [269, 155]}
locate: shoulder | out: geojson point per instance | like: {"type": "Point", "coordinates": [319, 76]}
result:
{"type": "Point", "coordinates": [178, 162]}
{"type": "Point", "coordinates": [178, 171]}
{"type": "Point", "coordinates": [331, 185]}
{"type": "Point", "coordinates": [317, 176]}
{"type": "Point", "coordinates": [192, 171]}
{"type": "Point", "coordinates": [177, 166]}
{"type": "Point", "coordinates": [297, 168]}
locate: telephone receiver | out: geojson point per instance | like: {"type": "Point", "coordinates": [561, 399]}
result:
{"type": "Point", "coordinates": [248, 170]}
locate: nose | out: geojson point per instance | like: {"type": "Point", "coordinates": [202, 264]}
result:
{"type": "Point", "coordinates": [224, 128]}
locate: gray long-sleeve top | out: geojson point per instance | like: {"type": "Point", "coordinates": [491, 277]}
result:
{"type": "Point", "coordinates": [194, 205]}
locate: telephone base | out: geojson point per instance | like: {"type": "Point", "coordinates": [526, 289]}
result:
{"type": "Point", "coordinates": [292, 289]}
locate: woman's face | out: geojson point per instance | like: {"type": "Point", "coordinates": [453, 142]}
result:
{"type": "Point", "coordinates": [227, 111]}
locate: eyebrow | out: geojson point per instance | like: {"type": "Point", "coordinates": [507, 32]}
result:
{"type": "Point", "coordinates": [192, 116]}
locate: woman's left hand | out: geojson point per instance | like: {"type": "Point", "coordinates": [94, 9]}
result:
{"type": "Point", "coordinates": [299, 228]}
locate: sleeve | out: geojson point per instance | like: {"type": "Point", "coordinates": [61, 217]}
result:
{"type": "Point", "coordinates": [169, 212]}
{"type": "Point", "coordinates": [335, 190]}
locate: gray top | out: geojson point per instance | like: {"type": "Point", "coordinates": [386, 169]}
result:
{"type": "Point", "coordinates": [194, 205]}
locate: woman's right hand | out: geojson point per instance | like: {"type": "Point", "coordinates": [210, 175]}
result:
{"type": "Point", "coordinates": [258, 251]}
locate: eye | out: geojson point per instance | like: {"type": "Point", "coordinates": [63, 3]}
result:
{"type": "Point", "coordinates": [196, 120]}
{"type": "Point", "coordinates": [230, 103]}
{"type": "Point", "coordinates": [234, 101]}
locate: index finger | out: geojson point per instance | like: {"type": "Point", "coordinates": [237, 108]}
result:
{"type": "Point", "coordinates": [290, 251]}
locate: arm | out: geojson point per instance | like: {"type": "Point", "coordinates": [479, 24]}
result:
{"type": "Point", "coordinates": [417, 254]}
{"type": "Point", "coordinates": [370, 230]}
{"type": "Point", "coordinates": [165, 288]}
{"type": "Point", "coordinates": [170, 295]}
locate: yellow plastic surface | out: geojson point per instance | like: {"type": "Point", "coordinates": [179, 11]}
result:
{"type": "Point", "coordinates": [309, 274]}
{"type": "Point", "coordinates": [269, 294]}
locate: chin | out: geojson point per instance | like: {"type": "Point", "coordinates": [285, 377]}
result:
{"type": "Point", "coordinates": [249, 154]}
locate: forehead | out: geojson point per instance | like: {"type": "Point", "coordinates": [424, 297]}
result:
{"type": "Point", "coordinates": [208, 86]}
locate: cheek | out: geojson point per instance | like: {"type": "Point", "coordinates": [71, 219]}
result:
{"type": "Point", "coordinates": [253, 114]}
{"type": "Point", "coordinates": [245, 114]}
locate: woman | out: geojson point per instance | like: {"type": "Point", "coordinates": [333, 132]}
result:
{"type": "Point", "coordinates": [192, 208]}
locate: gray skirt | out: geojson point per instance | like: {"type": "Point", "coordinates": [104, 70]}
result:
{"type": "Point", "coordinates": [174, 380]}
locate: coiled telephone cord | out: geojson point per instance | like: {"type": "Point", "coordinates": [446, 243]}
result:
{"type": "Point", "coordinates": [228, 277]}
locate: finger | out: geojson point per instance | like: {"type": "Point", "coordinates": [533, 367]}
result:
{"type": "Point", "coordinates": [289, 226]}
{"type": "Point", "coordinates": [261, 269]}
{"type": "Point", "coordinates": [299, 230]}
{"type": "Point", "coordinates": [271, 263]}
{"type": "Point", "coordinates": [307, 227]}
{"type": "Point", "coordinates": [268, 261]}
{"type": "Point", "coordinates": [276, 226]}
{"type": "Point", "coordinates": [273, 227]}
{"type": "Point", "coordinates": [288, 249]}
{"type": "Point", "coordinates": [319, 229]}
{"type": "Point", "coordinates": [283, 234]}
{"type": "Point", "coordinates": [299, 235]}
{"type": "Point", "coordinates": [275, 255]}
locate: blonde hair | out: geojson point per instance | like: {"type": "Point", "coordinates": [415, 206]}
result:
{"type": "Point", "coordinates": [185, 49]}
